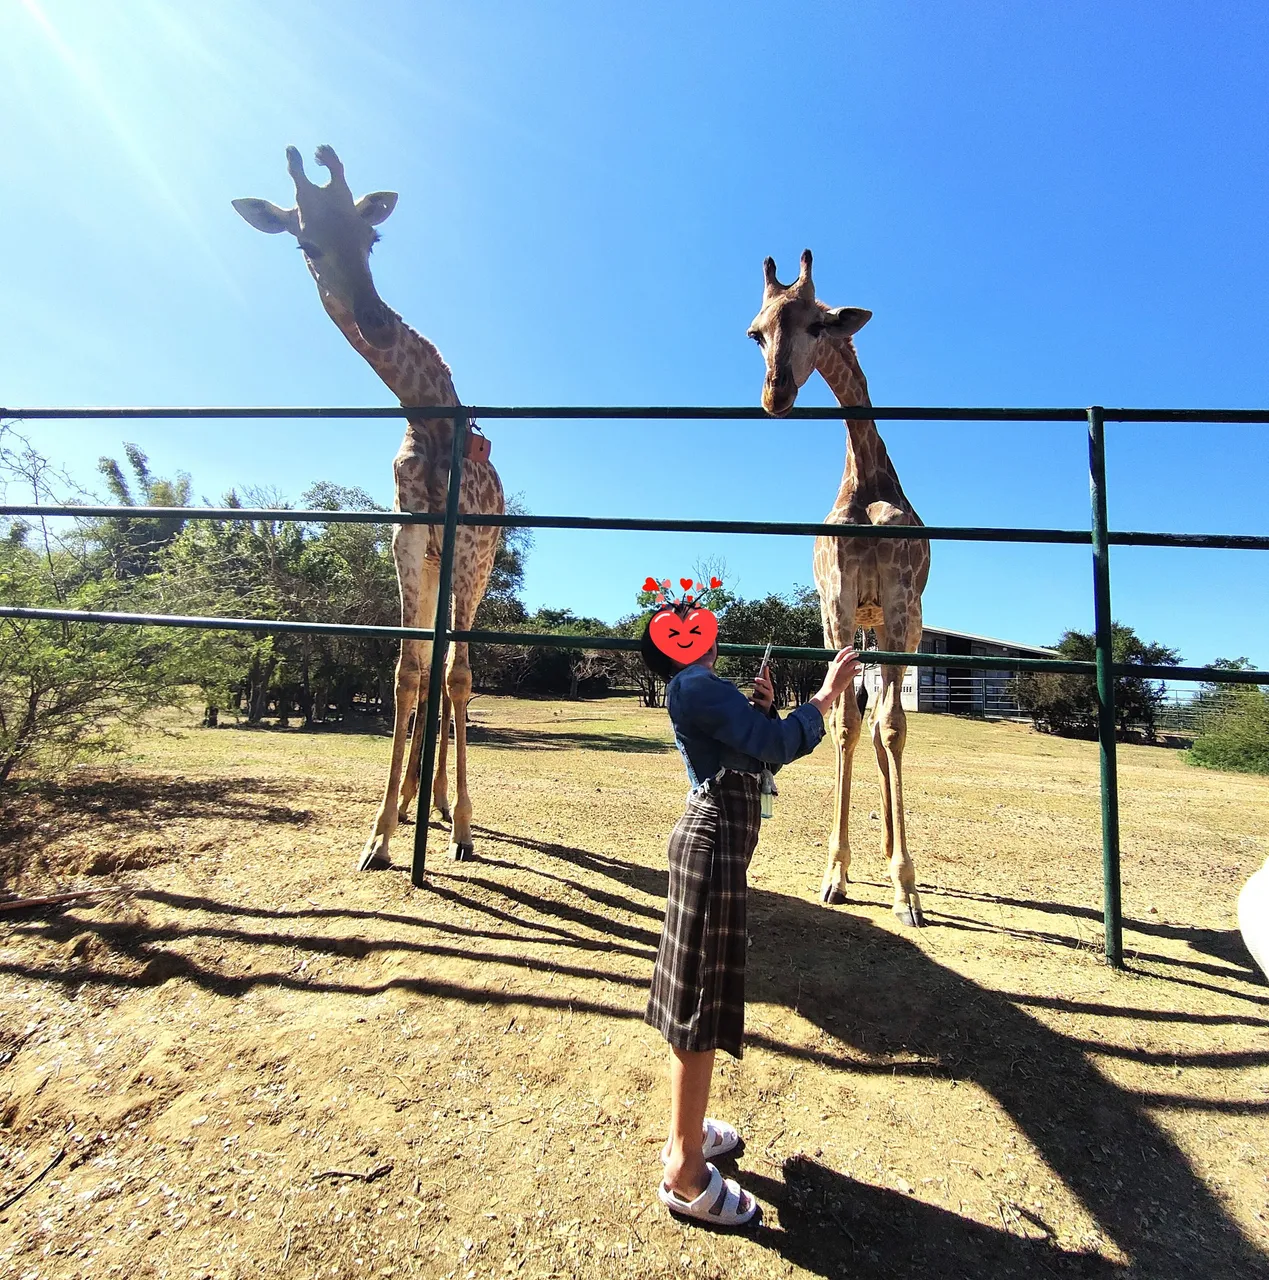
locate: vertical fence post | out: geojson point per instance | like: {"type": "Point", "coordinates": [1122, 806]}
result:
{"type": "Point", "coordinates": [1112, 906]}
{"type": "Point", "coordinates": [427, 717]}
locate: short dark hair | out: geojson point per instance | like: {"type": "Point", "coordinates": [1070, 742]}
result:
{"type": "Point", "coordinates": [660, 664]}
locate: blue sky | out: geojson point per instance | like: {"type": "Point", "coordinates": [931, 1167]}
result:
{"type": "Point", "coordinates": [1042, 204]}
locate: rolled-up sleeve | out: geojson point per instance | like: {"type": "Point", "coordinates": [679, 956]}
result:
{"type": "Point", "coordinates": [719, 709]}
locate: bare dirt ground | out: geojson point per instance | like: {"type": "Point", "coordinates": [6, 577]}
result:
{"type": "Point", "coordinates": [254, 1061]}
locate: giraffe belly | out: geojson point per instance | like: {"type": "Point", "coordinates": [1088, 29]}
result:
{"type": "Point", "coordinates": [868, 615]}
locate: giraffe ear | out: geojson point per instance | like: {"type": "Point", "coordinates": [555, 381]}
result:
{"type": "Point", "coordinates": [846, 320]}
{"type": "Point", "coordinates": [375, 207]}
{"type": "Point", "coordinates": [265, 216]}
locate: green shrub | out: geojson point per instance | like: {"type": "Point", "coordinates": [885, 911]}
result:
{"type": "Point", "coordinates": [1236, 737]}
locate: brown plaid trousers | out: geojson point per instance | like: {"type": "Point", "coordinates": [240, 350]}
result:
{"type": "Point", "coordinates": [698, 985]}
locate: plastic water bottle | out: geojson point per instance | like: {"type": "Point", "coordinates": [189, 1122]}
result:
{"type": "Point", "coordinates": [767, 790]}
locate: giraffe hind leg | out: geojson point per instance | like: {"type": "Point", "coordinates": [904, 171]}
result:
{"type": "Point", "coordinates": [440, 782]}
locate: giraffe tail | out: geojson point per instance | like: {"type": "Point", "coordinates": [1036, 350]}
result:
{"type": "Point", "coordinates": [861, 698]}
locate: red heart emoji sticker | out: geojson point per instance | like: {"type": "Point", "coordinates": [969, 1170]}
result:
{"type": "Point", "coordinates": [684, 639]}
{"type": "Point", "coordinates": [715, 583]}
{"type": "Point", "coordinates": [651, 584]}
{"type": "Point", "coordinates": [685, 583]}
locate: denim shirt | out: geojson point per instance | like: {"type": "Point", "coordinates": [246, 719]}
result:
{"type": "Point", "coordinates": [716, 727]}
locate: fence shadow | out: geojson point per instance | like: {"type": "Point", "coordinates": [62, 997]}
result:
{"type": "Point", "coordinates": [883, 1006]}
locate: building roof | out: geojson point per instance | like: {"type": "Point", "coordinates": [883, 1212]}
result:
{"type": "Point", "coordinates": [1008, 644]}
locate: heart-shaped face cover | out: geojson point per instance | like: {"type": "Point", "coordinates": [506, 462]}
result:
{"type": "Point", "coordinates": [685, 639]}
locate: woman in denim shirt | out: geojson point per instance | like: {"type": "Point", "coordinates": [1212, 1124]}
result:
{"type": "Point", "coordinates": [697, 1000]}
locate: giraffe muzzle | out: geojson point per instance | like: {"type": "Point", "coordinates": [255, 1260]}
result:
{"type": "Point", "coordinates": [778, 396]}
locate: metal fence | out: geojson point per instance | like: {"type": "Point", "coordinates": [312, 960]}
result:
{"type": "Point", "coordinates": [1099, 537]}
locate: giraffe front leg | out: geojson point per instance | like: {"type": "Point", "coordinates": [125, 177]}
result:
{"type": "Point", "coordinates": [458, 691]}
{"type": "Point", "coordinates": [424, 611]}
{"type": "Point", "coordinates": [375, 856]}
{"type": "Point", "coordinates": [889, 733]}
{"type": "Point", "coordinates": [845, 727]}
{"type": "Point", "coordinates": [410, 775]}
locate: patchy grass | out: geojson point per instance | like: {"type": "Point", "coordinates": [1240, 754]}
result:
{"type": "Point", "coordinates": [259, 1062]}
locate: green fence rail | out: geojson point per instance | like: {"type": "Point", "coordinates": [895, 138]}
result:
{"type": "Point", "coordinates": [1099, 537]}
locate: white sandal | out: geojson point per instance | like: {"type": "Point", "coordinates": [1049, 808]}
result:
{"type": "Point", "coordinates": [723, 1203]}
{"type": "Point", "coordinates": [720, 1139]}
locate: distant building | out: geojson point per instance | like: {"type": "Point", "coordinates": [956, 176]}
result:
{"type": "Point", "coordinates": [967, 691]}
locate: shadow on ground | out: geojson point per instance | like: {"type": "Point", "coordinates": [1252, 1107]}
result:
{"type": "Point", "coordinates": [125, 807]}
{"type": "Point", "coordinates": [542, 739]}
{"type": "Point", "coordinates": [836, 1227]}
{"type": "Point", "coordinates": [874, 992]}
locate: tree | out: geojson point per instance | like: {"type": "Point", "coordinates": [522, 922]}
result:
{"type": "Point", "coordinates": [1067, 704]}
{"type": "Point", "coordinates": [132, 544]}
{"type": "Point", "coordinates": [500, 666]}
{"type": "Point", "coordinates": [1236, 737]}
{"type": "Point", "coordinates": [628, 666]}
{"type": "Point", "coordinates": [69, 689]}
{"type": "Point", "coordinates": [792, 620]}
{"type": "Point", "coordinates": [1233, 723]}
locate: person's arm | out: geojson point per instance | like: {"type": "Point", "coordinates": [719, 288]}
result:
{"type": "Point", "coordinates": [720, 710]}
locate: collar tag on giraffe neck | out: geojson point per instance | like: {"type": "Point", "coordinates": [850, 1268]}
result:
{"type": "Point", "coordinates": [478, 446]}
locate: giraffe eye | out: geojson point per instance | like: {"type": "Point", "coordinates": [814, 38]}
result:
{"type": "Point", "coordinates": [815, 328]}
{"type": "Point", "coordinates": [757, 337]}
{"type": "Point", "coordinates": [310, 251]}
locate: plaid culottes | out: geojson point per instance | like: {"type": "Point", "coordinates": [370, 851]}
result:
{"type": "Point", "coordinates": [698, 985]}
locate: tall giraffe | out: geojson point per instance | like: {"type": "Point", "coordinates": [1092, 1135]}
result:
{"type": "Point", "coordinates": [336, 235]}
{"type": "Point", "coordinates": [862, 582]}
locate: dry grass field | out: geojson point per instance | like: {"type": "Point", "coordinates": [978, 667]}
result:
{"type": "Point", "coordinates": [252, 1061]}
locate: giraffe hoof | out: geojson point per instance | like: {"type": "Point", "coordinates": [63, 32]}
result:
{"type": "Point", "coordinates": [462, 850]}
{"type": "Point", "coordinates": [913, 917]}
{"type": "Point", "coordinates": [373, 857]}
{"type": "Point", "coordinates": [832, 896]}
{"type": "Point", "coordinates": [444, 813]}
{"type": "Point", "coordinates": [403, 815]}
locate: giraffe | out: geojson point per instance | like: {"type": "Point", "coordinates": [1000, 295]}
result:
{"type": "Point", "coordinates": [336, 235]}
{"type": "Point", "coordinates": [862, 582]}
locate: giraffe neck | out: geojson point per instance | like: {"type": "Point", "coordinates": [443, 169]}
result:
{"type": "Point", "coordinates": [868, 474]}
{"type": "Point", "coordinates": [411, 368]}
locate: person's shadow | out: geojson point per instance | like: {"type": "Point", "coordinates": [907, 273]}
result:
{"type": "Point", "coordinates": [834, 1226]}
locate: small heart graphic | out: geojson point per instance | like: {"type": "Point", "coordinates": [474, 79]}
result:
{"type": "Point", "coordinates": [685, 583]}
{"type": "Point", "coordinates": [684, 639]}
{"type": "Point", "coordinates": [716, 583]}
{"type": "Point", "coordinates": [651, 584]}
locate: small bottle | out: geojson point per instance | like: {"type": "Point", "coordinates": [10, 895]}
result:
{"type": "Point", "coordinates": [767, 790]}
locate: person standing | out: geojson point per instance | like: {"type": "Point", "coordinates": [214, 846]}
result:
{"type": "Point", "coordinates": [697, 1000]}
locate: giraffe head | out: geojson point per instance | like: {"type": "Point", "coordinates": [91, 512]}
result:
{"type": "Point", "coordinates": [336, 234]}
{"type": "Point", "coordinates": [790, 328]}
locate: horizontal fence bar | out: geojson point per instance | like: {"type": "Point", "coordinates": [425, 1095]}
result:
{"type": "Point", "coordinates": [1223, 541]}
{"type": "Point", "coordinates": [954, 533]}
{"type": "Point", "coordinates": [738, 413]}
{"type": "Point", "coordinates": [533, 639]}
{"type": "Point", "coordinates": [264, 625]}
{"type": "Point", "coordinates": [946, 533]}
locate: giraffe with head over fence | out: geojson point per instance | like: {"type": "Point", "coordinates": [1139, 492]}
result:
{"type": "Point", "coordinates": [862, 582]}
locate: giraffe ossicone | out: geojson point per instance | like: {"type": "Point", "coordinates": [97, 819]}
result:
{"type": "Point", "coordinates": [336, 234]}
{"type": "Point", "coordinates": [862, 582]}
